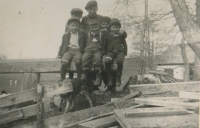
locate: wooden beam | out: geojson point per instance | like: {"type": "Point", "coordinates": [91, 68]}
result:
{"type": "Point", "coordinates": [190, 95]}
{"type": "Point", "coordinates": [24, 112]}
{"type": "Point", "coordinates": [100, 123]}
{"type": "Point", "coordinates": [164, 102]}
{"type": "Point", "coordinates": [173, 87]}
{"type": "Point", "coordinates": [39, 106]}
{"type": "Point", "coordinates": [49, 90]}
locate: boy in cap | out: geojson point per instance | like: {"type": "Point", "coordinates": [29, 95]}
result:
{"type": "Point", "coordinates": [75, 13]}
{"type": "Point", "coordinates": [92, 8]}
{"type": "Point", "coordinates": [115, 48]}
{"type": "Point", "coordinates": [93, 51]}
{"type": "Point", "coordinates": [72, 47]}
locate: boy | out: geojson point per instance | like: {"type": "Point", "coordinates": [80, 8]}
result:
{"type": "Point", "coordinates": [93, 51]}
{"type": "Point", "coordinates": [115, 48]}
{"type": "Point", "coordinates": [92, 9]}
{"type": "Point", "coordinates": [75, 13]}
{"type": "Point", "coordinates": [72, 47]}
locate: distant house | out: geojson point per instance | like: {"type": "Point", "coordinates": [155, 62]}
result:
{"type": "Point", "coordinates": [172, 57]}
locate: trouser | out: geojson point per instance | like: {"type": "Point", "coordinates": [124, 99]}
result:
{"type": "Point", "coordinates": [74, 54]}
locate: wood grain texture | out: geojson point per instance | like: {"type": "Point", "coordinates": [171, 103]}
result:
{"type": "Point", "coordinates": [173, 87]}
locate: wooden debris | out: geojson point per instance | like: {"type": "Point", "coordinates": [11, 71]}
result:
{"type": "Point", "coordinates": [155, 121]}
{"type": "Point", "coordinates": [39, 106]}
{"type": "Point", "coordinates": [173, 87]}
{"type": "Point", "coordinates": [100, 123]}
{"type": "Point", "coordinates": [13, 115]}
{"type": "Point", "coordinates": [169, 101]}
{"type": "Point", "coordinates": [189, 95]}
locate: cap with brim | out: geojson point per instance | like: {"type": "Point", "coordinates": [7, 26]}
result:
{"type": "Point", "coordinates": [93, 22]}
{"type": "Point", "coordinates": [76, 11]}
{"type": "Point", "coordinates": [115, 21]}
{"type": "Point", "coordinates": [106, 19]}
{"type": "Point", "coordinates": [91, 3]}
{"type": "Point", "coordinates": [73, 20]}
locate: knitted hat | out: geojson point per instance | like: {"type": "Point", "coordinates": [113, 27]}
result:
{"type": "Point", "coordinates": [91, 3]}
{"type": "Point", "coordinates": [76, 11]}
{"type": "Point", "coordinates": [93, 22]}
{"type": "Point", "coordinates": [106, 19]}
{"type": "Point", "coordinates": [114, 21]}
{"type": "Point", "coordinates": [72, 19]}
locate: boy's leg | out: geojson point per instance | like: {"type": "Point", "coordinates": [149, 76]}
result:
{"type": "Point", "coordinates": [120, 60]}
{"type": "Point", "coordinates": [86, 60]}
{"type": "Point", "coordinates": [77, 59]}
{"type": "Point", "coordinates": [64, 63]}
{"type": "Point", "coordinates": [108, 62]}
{"type": "Point", "coordinates": [97, 61]}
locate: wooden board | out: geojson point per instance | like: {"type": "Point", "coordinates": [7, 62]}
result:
{"type": "Point", "coordinates": [168, 101]}
{"type": "Point", "coordinates": [189, 95]}
{"type": "Point", "coordinates": [24, 112]}
{"type": "Point", "coordinates": [100, 123]}
{"type": "Point", "coordinates": [49, 90]}
{"type": "Point", "coordinates": [158, 88]}
{"type": "Point", "coordinates": [150, 122]}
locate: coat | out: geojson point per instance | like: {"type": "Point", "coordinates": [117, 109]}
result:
{"type": "Point", "coordinates": [66, 41]}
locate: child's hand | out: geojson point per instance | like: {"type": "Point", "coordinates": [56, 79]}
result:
{"type": "Point", "coordinates": [58, 57]}
{"type": "Point", "coordinates": [121, 31]}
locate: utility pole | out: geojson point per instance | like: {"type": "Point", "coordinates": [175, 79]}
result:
{"type": "Point", "coordinates": [144, 41]}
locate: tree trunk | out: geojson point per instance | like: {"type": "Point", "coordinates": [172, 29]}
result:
{"type": "Point", "coordinates": [185, 61]}
{"type": "Point", "coordinates": [190, 30]}
{"type": "Point", "coordinates": [196, 59]}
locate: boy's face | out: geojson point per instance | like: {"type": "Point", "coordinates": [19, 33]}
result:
{"type": "Point", "coordinates": [73, 26]}
{"type": "Point", "coordinates": [115, 29]}
{"type": "Point", "coordinates": [92, 11]}
{"type": "Point", "coordinates": [94, 28]}
{"type": "Point", "coordinates": [104, 25]}
{"type": "Point", "coordinates": [78, 16]}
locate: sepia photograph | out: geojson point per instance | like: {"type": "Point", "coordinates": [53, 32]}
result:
{"type": "Point", "coordinates": [99, 63]}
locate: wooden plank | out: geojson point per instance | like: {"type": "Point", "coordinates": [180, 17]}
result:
{"type": "Point", "coordinates": [150, 122]}
{"type": "Point", "coordinates": [39, 106]}
{"type": "Point", "coordinates": [27, 112]}
{"type": "Point", "coordinates": [189, 95]}
{"type": "Point", "coordinates": [173, 87]}
{"type": "Point", "coordinates": [153, 113]}
{"type": "Point", "coordinates": [49, 90]}
{"type": "Point", "coordinates": [100, 123]}
{"type": "Point", "coordinates": [13, 115]}
{"type": "Point", "coordinates": [164, 102]}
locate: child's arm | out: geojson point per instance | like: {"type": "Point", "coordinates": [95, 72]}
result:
{"type": "Point", "coordinates": [83, 42]}
{"type": "Point", "coordinates": [61, 47]}
{"type": "Point", "coordinates": [104, 45]}
{"type": "Point", "coordinates": [123, 33]}
{"type": "Point", "coordinates": [125, 46]}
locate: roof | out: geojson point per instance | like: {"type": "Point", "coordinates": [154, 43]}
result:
{"type": "Point", "coordinates": [172, 55]}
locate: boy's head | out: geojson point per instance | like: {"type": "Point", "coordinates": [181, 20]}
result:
{"type": "Point", "coordinates": [94, 26]}
{"type": "Point", "coordinates": [105, 22]}
{"type": "Point", "coordinates": [92, 8]}
{"type": "Point", "coordinates": [114, 26]}
{"type": "Point", "coordinates": [76, 13]}
{"type": "Point", "coordinates": [73, 24]}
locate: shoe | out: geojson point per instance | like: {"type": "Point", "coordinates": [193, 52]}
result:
{"type": "Point", "coordinates": [97, 82]}
{"type": "Point", "coordinates": [60, 80]}
{"type": "Point", "coordinates": [118, 81]}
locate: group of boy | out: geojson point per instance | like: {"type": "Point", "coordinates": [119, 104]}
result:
{"type": "Point", "coordinates": [86, 43]}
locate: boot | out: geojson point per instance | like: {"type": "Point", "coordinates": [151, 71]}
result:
{"type": "Point", "coordinates": [97, 82]}
{"type": "Point", "coordinates": [118, 81]}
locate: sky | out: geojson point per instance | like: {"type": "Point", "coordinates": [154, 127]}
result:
{"type": "Point", "coordinates": [34, 28]}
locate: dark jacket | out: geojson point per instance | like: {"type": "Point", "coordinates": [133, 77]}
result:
{"type": "Point", "coordinates": [110, 43]}
{"type": "Point", "coordinates": [85, 21]}
{"type": "Point", "coordinates": [66, 42]}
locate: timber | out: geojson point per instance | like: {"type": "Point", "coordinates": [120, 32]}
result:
{"type": "Point", "coordinates": [190, 95]}
{"type": "Point", "coordinates": [173, 87]}
{"type": "Point", "coordinates": [39, 106]}
{"type": "Point", "coordinates": [49, 90]}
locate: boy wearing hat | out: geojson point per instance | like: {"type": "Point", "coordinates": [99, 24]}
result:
{"type": "Point", "coordinates": [93, 51]}
{"type": "Point", "coordinates": [115, 48]}
{"type": "Point", "coordinates": [75, 13]}
{"type": "Point", "coordinates": [92, 8]}
{"type": "Point", "coordinates": [72, 47]}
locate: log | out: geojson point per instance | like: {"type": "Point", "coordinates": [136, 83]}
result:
{"type": "Point", "coordinates": [49, 90]}
{"type": "Point", "coordinates": [190, 95]}
{"type": "Point", "coordinates": [173, 87]}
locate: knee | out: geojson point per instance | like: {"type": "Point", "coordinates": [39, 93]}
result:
{"type": "Point", "coordinates": [77, 61]}
{"type": "Point", "coordinates": [108, 60]}
{"type": "Point", "coordinates": [64, 63]}
{"type": "Point", "coordinates": [120, 61]}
